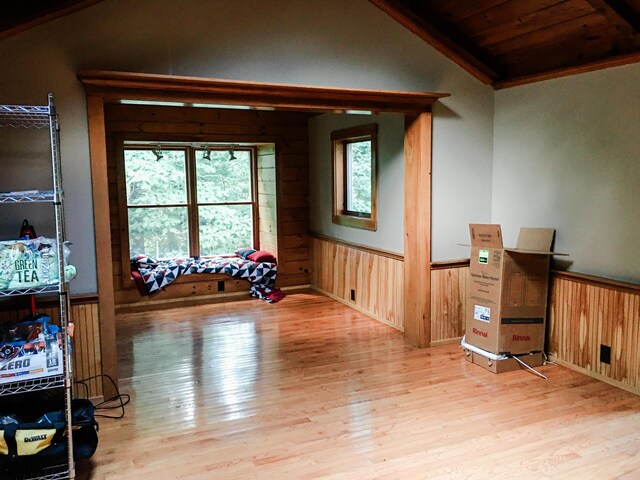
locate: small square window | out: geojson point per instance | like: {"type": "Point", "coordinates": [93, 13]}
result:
{"type": "Point", "coordinates": [354, 177]}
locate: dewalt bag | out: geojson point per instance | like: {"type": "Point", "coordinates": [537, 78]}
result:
{"type": "Point", "coordinates": [42, 442]}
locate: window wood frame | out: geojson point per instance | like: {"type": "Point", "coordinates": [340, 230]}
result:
{"type": "Point", "coordinates": [340, 139]}
{"type": "Point", "coordinates": [192, 204]}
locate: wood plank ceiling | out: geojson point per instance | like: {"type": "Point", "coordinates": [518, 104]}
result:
{"type": "Point", "coordinates": [511, 42]}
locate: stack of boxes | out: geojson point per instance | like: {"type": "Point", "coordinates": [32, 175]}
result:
{"type": "Point", "coordinates": [507, 297]}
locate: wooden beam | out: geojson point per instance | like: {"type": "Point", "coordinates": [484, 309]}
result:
{"type": "Point", "coordinates": [400, 13]}
{"type": "Point", "coordinates": [116, 86]}
{"type": "Point", "coordinates": [417, 229]}
{"type": "Point", "coordinates": [102, 228]}
{"type": "Point", "coordinates": [565, 72]}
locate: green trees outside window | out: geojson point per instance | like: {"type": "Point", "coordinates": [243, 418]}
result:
{"type": "Point", "coordinates": [358, 178]}
{"type": "Point", "coordinates": [354, 176]}
{"type": "Point", "coordinates": [184, 201]}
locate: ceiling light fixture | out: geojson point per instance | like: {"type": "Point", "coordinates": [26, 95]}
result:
{"type": "Point", "coordinates": [158, 152]}
{"type": "Point", "coordinates": [207, 153]}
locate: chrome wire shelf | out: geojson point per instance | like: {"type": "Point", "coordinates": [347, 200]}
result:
{"type": "Point", "coordinates": [30, 291]}
{"type": "Point", "coordinates": [44, 117]}
{"type": "Point", "coordinates": [24, 116]}
{"type": "Point", "coordinates": [27, 196]}
{"type": "Point", "coordinates": [32, 385]}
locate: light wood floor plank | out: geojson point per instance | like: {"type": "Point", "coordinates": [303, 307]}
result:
{"type": "Point", "coordinates": [309, 388]}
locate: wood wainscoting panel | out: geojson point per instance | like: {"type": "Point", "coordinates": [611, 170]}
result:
{"type": "Point", "coordinates": [87, 361]}
{"type": "Point", "coordinates": [84, 313]}
{"type": "Point", "coordinates": [376, 279]}
{"type": "Point", "coordinates": [448, 298]}
{"type": "Point", "coordinates": [585, 314]}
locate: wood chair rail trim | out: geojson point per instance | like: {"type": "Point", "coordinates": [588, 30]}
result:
{"type": "Point", "coordinates": [446, 264]}
{"type": "Point", "coordinates": [365, 248]}
{"type": "Point", "coordinates": [598, 281]}
{"type": "Point", "coordinates": [573, 276]}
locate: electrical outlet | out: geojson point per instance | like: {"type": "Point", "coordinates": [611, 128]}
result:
{"type": "Point", "coordinates": [605, 354]}
{"type": "Point", "coordinates": [353, 295]}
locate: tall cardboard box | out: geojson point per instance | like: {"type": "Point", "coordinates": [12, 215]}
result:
{"type": "Point", "coordinates": [507, 294]}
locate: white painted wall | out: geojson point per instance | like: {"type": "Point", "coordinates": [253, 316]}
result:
{"type": "Point", "coordinates": [313, 42]}
{"type": "Point", "coordinates": [567, 155]}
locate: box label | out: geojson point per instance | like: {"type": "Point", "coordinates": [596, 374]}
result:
{"type": "Point", "coordinates": [483, 256]}
{"type": "Point", "coordinates": [482, 313]}
{"type": "Point", "coordinates": [522, 321]}
{"type": "Point", "coordinates": [41, 359]}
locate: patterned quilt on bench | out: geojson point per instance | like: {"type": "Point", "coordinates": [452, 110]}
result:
{"type": "Point", "coordinates": [156, 275]}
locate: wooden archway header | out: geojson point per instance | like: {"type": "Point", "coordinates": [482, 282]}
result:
{"type": "Point", "coordinates": [114, 86]}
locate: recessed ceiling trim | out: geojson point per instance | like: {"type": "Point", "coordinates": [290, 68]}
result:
{"type": "Point", "coordinates": [564, 72]}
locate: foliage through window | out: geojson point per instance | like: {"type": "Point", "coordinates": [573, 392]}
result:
{"type": "Point", "coordinates": [184, 201]}
{"type": "Point", "coordinates": [354, 176]}
{"type": "Point", "coordinates": [358, 177]}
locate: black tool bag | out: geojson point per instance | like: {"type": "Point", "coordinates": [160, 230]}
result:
{"type": "Point", "coordinates": [37, 444]}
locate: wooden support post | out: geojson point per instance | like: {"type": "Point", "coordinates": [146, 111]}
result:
{"type": "Point", "coordinates": [417, 229]}
{"type": "Point", "coordinates": [102, 226]}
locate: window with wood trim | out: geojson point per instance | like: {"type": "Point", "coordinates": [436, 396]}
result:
{"type": "Point", "coordinates": [185, 201]}
{"type": "Point", "coordinates": [355, 176]}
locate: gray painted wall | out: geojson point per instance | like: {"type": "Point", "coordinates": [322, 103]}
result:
{"type": "Point", "coordinates": [312, 42]}
{"type": "Point", "coordinates": [389, 234]}
{"type": "Point", "coordinates": [567, 155]}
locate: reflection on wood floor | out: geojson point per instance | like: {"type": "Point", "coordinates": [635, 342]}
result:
{"type": "Point", "coordinates": [309, 388]}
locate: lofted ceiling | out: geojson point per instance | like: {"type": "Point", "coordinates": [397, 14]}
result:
{"type": "Point", "coordinates": [501, 42]}
{"type": "Point", "coordinates": [511, 42]}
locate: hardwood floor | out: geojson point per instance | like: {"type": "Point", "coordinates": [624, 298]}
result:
{"type": "Point", "coordinates": [309, 388]}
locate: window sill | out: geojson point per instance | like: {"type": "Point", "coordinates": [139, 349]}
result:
{"type": "Point", "coordinates": [363, 223]}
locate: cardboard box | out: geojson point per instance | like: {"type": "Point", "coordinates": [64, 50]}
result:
{"type": "Point", "coordinates": [32, 360]}
{"type": "Point", "coordinates": [507, 365]}
{"type": "Point", "coordinates": [507, 292]}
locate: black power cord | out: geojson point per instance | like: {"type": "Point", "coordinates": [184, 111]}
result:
{"type": "Point", "coordinates": [122, 399]}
